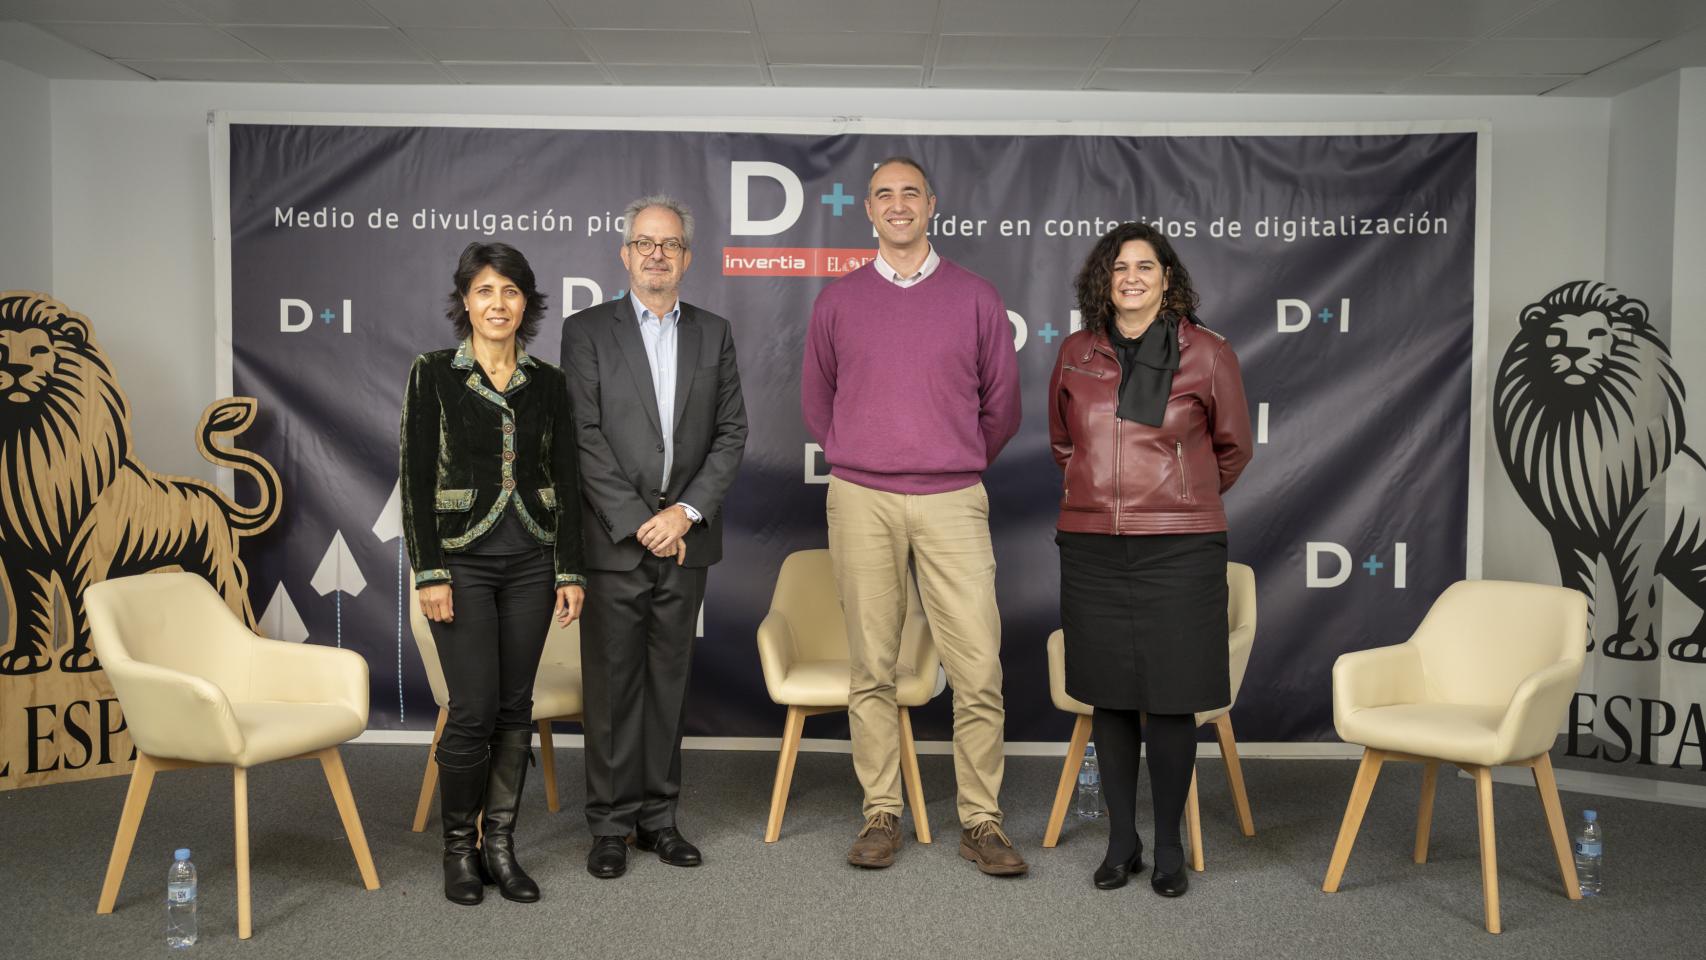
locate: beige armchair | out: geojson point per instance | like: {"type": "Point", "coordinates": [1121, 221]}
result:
{"type": "Point", "coordinates": [1484, 681]}
{"type": "Point", "coordinates": [556, 696]}
{"type": "Point", "coordinates": [1241, 624]}
{"type": "Point", "coordinates": [199, 689]}
{"type": "Point", "coordinates": [802, 648]}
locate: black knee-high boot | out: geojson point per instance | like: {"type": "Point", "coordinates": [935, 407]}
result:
{"type": "Point", "coordinates": [461, 792]}
{"type": "Point", "coordinates": [511, 752]}
{"type": "Point", "coordinates": [1172, 757]}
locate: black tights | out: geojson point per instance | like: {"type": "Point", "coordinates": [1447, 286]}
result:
{"type": "Point", "coordinates": [1172, 757]}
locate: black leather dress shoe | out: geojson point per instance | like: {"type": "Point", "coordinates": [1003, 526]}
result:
{"type": "Point", "coordinates": [672, 848]}
{"type": "Point", "coordinates": [1170, 884]}
{"type": "Point", "coordinates": [1114, 876]}
{"type": "Point", "coordinates": [608, 858]}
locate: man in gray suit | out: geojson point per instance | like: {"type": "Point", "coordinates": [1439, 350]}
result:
{"type": "Point", "coordinates": [661, 426]}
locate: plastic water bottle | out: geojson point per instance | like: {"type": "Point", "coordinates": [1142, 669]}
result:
{"type": "Point", "coordinates": [1589, 851]}
{"type": "Point", "coordinates": [1089, 785]}
{"type": "Point", "coordinates": [180, 901]}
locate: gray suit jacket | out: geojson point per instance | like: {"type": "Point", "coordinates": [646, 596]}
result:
{"type": "Point", "coordinates": [621, 439]}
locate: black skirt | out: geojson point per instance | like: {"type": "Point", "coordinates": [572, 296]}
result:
{"type": "Point", "coordinates": [1145, 620]}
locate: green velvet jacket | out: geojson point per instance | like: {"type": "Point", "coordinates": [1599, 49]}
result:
{"type": "Point", "coordinates": [469, 452]}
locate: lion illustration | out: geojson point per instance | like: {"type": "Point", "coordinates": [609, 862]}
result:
{"type": "Point", "coordinates": [76, 507]}
{"type": "Point", "coordinates": [1589, 419]}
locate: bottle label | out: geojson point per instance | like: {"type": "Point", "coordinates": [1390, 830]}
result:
{"type": "Point", "coordinates": [1586, 849]}
{"type": "Point", "coordinates": [179, 893]}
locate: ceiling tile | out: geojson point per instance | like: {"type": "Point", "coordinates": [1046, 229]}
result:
{"type": "Point", "coordinates": [1652, 19]}
{"type": "Point", "coordinates": [329, 72]}
{"type": "Point", "coordinates": [1242, 54]}
{"type": "Point", "coordinates": [318, 13]}
{"type": "Point", "coordinates": [461, 13]}
{"type": "Point", "coordinates": [671, 46]}
{"type": "Point", "coordinates": [1321, 55]}
{"type": "Point", "coordinates": [1409, 18]}
{"type": "Point", "coordinates": [1224, 18]}
{"type": "Point", "coordinates": [983, 78]}
{"type": "Point", "coordinates": [1019, 52]}
{"type": "Point", "coordinates": [1029, 16]}
{"type": "Point", "coordinates": [524, 74]}
{"type": "Point", "coordinates": [684, 15]}
{"type": "Point", "coordinates": [472, 43]}
{"type": "Point", "coordinates": [213, 71]}
{"type": "Point", "coordinates": [846, 48]}
{"type": "Point", "coordinates": [1336, 83]}
{"type": "Point", "coordinates": [1513, 56]}
{"type": "Point", "coordinates": [680, 75]}
{"type": "Point", "coordinates": [846, 76]}
{"type": "Point", "coordinates": [806, 16]}
{"type": "Point", "coordinates": [153, 41]}
{"type": "Point", "coordinates": [1168, 81]}
{"type": "Point", "coordinates": [329, 43]}
{"type": "Point", "coordinates": [95, 11]}
{"type": "Point", "coordinates": [44, 54]}
{"type": "Point", "coordinates": [1459, 86]}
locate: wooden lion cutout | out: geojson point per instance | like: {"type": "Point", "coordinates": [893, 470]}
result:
{"type": "Point", "coordinates": [77, 507]}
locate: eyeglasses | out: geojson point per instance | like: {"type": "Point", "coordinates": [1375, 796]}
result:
{"type": "Point", "coordinates": [645, 245]}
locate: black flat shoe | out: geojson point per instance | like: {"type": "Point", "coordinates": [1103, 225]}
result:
{"type": "Point", "coordinates": [671, 847]}
{"type": "Point", "coordinates": [608, 858]}
{"type": "Point", "coordinates": [1114, 876]}
{"type": "Point", "coordinates": [1170, 884]}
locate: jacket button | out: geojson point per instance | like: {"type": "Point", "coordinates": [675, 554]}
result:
{"type": "Point", "coordinates": [660, 448]}
{"type": "Point", "coordinates": [509, 484]}
{"type": "Point", "coordinates": [509, 456]}
{"type": "Point", "coordinates": [509, 427]}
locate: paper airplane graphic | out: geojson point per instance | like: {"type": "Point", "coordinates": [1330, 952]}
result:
{"type": "Point", "coordinates": [281, 621]}
{"type": "Point", "coordinates": [338, 570]}
{"type": "Point", "coordinates": [389, 526]}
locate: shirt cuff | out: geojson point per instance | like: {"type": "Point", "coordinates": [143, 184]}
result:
{"type": "Point", "coordinates": [692, 514]}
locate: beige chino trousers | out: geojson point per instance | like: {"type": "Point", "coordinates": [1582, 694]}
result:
{"type": "Point", "coordinates": [876, 541]}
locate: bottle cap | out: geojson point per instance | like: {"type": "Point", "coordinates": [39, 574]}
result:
{"type": "Point", "coordinates": [1590, 815]}
{"type": "Point", "coordinates": [182, 853]}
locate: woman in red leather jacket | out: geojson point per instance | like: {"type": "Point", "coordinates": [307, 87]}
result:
{"type": "Point", "coordinates": [1148, 420]}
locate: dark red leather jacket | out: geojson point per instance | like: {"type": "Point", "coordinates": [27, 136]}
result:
{"type": "Point", "coordinates": [1129, 478]}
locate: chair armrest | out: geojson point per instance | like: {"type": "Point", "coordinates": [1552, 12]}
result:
{"type": "Point", "coordinates": [1376, 678]}
{"type": "Point", "coordinates": [308, 673]}
{"type": "Point", "coordinates": [775, 651]}
{"type": "Point", "coordinates": [174, 715]}
{"type": "Point", "coordinates": [1537, 709]}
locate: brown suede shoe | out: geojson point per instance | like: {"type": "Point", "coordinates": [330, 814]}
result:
{"type": "Point", "coordinates": [877, 843]}
{"type": "Point", "coordinates": [989, 848]}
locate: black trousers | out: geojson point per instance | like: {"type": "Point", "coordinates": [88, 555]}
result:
{"type": "Point", "coordinates": [490, 651]}
{"type": "Point", "coordinates": [636, 650]}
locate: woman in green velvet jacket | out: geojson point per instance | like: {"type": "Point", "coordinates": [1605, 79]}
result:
{"type": "Point", "coordinates": [491, 514]}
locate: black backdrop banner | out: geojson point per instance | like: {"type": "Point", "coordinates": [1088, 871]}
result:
{"type": "Point", "coordinates": [1341, 261]}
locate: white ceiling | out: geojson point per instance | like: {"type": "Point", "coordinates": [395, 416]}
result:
{"type": "Point", "coordinates": [1523, 47]}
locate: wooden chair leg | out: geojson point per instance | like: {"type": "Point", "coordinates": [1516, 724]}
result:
{"type": "Point", "coordinates": [914, 782]}
{"type": "Point", "coordinates": [1547, 786]}
{"type": "Point", "coordinates": [1193, 823]}
{"type": "Point", "coordinates": [1068, 778]}
{"type": "Point", "coordinates": [240, 821]}
{"type": "Point", "coordinates": [548, 766]}
{"type": "Point", "coordinates": [1234, 772]}
{"type": "Point", "coordinates": [135, 799]}
{"type": "Point", "coordinates": [1425, 810]}
{"type": "Point", "coordinates": [791, 731]}
{"type": "Point", "coordinates": [429, 780]}
{"type": "Point", "coordinates": [1489, 850]}
{"type": "Point", "coordinates": [1367, 772]}
{"type": "Point", "coordinates": [332, 762]}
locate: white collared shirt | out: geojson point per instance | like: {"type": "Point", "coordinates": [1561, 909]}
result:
{"type": "Point", "coordinates": [931, 262]}
{"type": "Point", "coordinates": [658, 335]}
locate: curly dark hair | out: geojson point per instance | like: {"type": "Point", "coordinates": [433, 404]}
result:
{"type": "Point", "coordinates": [1095, 278]}
{"type": "Point", "coordinates": [507, 261]}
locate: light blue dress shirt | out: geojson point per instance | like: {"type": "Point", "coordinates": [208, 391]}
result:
{"type": "Point", "coordinates": [658, 335]}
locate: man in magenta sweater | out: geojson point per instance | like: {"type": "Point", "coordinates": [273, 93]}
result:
{"type": "Point", "coordinates": [911, 385]}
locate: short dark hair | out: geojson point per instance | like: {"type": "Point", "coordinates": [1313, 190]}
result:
{"type": "Point", "coordinates": [507, 261]}
{"type": "Point", "coordinates": [903, 158]}
{"type": "Point", "coordinates": [1096, 305]}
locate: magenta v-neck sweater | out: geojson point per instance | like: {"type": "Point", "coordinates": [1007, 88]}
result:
{"type": "Point", "coordinates": [910, 389]}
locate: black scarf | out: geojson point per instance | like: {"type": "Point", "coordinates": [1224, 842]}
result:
{"type": "Point", "coordinates": [1147, 365]}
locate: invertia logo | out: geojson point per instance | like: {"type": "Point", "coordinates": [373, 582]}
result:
{"type": "Point", "coordinates": [793, 261]}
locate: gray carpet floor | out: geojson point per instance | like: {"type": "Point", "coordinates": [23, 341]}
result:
{"type": "Point", "coordinates": [1259, 897]}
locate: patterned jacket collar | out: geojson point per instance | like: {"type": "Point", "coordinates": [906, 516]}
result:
{"type": "Point", "coordinates": [464, 360]}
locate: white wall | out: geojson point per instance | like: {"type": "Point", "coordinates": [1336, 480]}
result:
{"type": "Point", "coordinates": [26, 206]}
{"type": "Point", "coordinates": [131, 195]}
